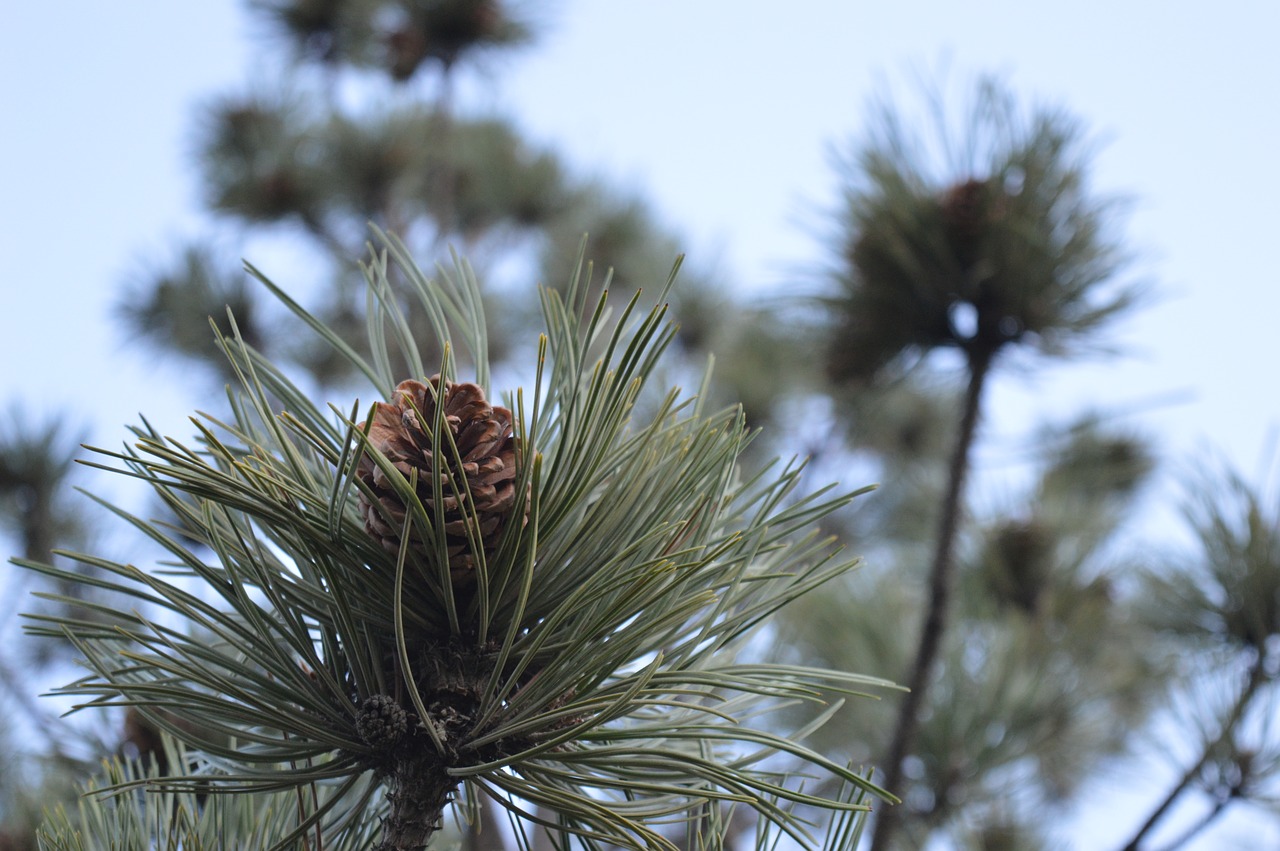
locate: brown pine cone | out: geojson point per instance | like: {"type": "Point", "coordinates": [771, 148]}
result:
{"type": "Point", "coordinates": [487, 475]}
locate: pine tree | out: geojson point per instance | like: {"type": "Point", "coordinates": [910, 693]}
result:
{"type": "Point", "coordinates": [1004, 249]}
{"type": "Point", "coordinates": [363, 126]}
{"type": "Point", "coordinates": [1001, 249]}
{"type": "Point", "coordinates": [1052, 651]}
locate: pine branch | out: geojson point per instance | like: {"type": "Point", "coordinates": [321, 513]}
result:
{"type": "Point", "coordinates": [1255, 678]}
{"type": "Point", "coordinates": [936, 616]}
{"type": "Point", "coordinates": [542, 605]}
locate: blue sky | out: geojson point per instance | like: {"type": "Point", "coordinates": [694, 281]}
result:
{"type": "Point", "coordinates": [724, 116]}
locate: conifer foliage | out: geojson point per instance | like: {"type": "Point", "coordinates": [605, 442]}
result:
{"type": "Point", "coordinates": [438, 601]}
{"type": "Point", "coordinates": [408, 599]}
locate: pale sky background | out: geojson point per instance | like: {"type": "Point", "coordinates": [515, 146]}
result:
{"type": "Point", "coordinates": [723, 115]}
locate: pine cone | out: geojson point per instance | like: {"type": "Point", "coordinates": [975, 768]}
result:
{"type": "Point", "coordinates": [488, 451]}
{"type": "Point", "coordinates": [381, 722]}
{"type": "Point", "coordinates": [966, 216]}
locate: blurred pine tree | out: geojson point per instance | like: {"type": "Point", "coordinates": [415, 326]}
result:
{"type": "Point", "coordinates": [1047, 652]}
{"type": "Point", "coordinates": [1011, 251]}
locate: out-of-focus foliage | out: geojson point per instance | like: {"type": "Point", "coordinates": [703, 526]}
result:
{"type": "Point", "coordinates": [1228, 595]}
{"type": "Point", "coordinates": [1218, 612]}
{"type": "Point", "coordinates": [297, 163]}
{"type": "Point", "coordinates": [398, 38]}
{"type": "Point", "coordinates": [978, 235]}
{"type": "Point", "coordinates": [1007, 245]}
{"type": "Point", "coordinates": [1041, 675]}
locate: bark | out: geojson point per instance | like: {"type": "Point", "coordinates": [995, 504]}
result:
{"type": "Point", "coordinates": [418, 799]}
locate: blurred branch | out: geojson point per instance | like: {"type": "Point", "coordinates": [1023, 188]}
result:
{"type": "Point", "coordinates": [940, 582]}
{"type": "Point", "coordinates": [1255, 678]}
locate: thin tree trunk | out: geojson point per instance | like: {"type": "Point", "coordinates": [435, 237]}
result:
{"type": "Point", "coordinates": [940, 582]}
{"type": "Point", "coordinates": [1255, 679]}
